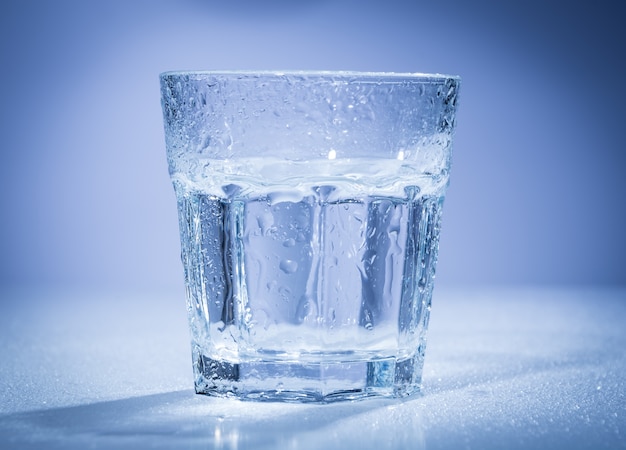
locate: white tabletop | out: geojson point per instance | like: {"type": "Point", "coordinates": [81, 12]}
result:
{"type": "Point", "coordinates": [505, 368]}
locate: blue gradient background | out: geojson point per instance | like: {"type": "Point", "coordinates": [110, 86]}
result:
{"type": "Point", "coordinates": [537, 182]}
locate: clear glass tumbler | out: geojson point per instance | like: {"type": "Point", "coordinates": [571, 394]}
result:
{"type": "Point", "coordinates": [309, 207]}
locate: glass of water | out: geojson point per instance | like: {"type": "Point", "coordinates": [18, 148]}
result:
{"type": "Point", "coordinates": [309, 206]}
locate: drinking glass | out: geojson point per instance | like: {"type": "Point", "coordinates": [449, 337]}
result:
{"type": "Point", "coordinates": [309, 207]}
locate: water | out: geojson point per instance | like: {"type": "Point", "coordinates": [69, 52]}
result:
{"type": "Point", "coordinates": [309, 285]}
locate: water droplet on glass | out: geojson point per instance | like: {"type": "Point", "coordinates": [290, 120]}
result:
{"type": "Point", "coordinates": [288, 266]}
{"type": "Point", "coordinates": [303, 310]}
{"type": "Point", "coordinates": [265, 222]}
{"type": "Point", "coordinates": [247, 317]}
{"type": "Point", "coordinates": [366, 319]}
{"type": "Point", "coordinates": [205, 142]}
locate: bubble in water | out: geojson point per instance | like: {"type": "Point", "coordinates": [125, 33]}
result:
{"type": "Point", "coordinates": [289, 242]}
{"type": "Point", "coordinates": [288, 266]}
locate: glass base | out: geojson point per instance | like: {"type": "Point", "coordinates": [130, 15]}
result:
{"type": "Point", "coordinates": [320, 382]}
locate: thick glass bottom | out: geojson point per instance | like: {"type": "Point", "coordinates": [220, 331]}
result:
{"type": "Point", "coordinates": [321, 382]}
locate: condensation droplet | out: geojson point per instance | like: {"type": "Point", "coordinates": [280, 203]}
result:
{"type": "Point", "coordinates": [247, 317]}
{"type": "Point", "coordinates": [288, 266]}
{"type": "Point", "coordinates": [367, 319]}
{"type": "Point", "coordinates": [205, 142]}
{"type": "Point", "coordinates": [303, 309]}
{"type": "Point", "coordinates": [265, 222]}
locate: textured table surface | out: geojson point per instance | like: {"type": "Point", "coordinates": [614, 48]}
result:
{"type": "Point", "coordinates": [505, 368]}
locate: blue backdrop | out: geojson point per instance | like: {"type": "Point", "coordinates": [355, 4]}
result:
{"type": "Point", "coordinates": [537, 182]}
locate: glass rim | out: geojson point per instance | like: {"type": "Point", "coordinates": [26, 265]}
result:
{"type": "Point", "coordinates": [330, 75]}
